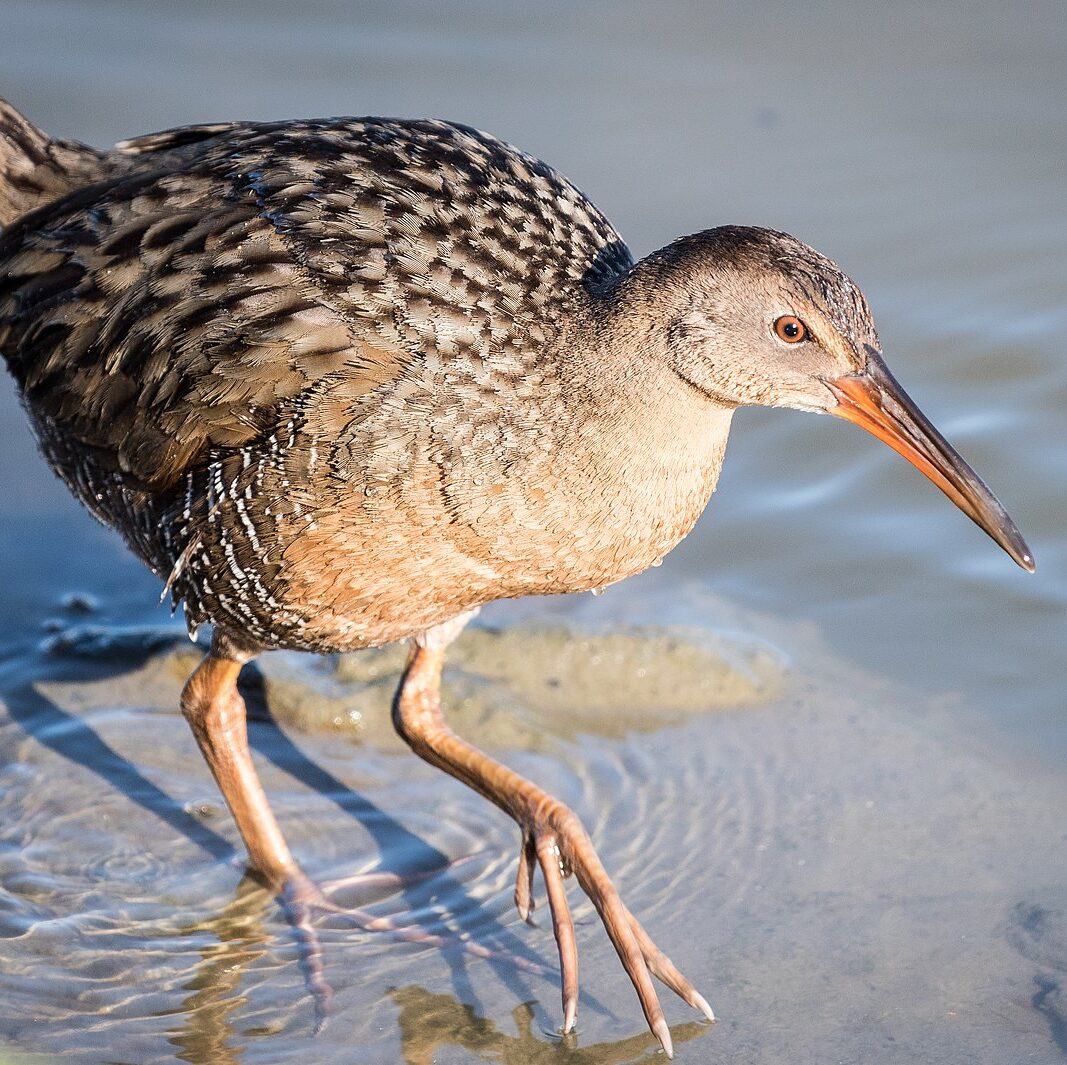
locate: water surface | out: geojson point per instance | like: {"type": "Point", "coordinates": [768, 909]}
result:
{"type": "Point", "coordinates": [835, 794]}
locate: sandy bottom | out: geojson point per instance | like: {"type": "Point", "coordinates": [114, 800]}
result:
{"type": "Point", "coordinates": [843, 875]}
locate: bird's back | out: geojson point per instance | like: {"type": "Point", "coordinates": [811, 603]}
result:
{"type": "Point", "coordinates": [217, 271]}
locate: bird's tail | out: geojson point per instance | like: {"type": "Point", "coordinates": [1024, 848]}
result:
{"type": "Point", "coordinates": [36, 169]}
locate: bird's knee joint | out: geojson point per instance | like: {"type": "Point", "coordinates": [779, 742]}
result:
{"type": "Point", "coordinates": [195, 702]}
{"type": "Point", "coordinates": [210, 694]}
{"type": "Point", "coordinates": [417, 712]}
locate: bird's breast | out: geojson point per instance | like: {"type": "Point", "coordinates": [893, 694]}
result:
{"type": "Point", "coordinates": [404, 520]}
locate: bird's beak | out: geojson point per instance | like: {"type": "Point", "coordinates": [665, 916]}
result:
{"type": "Point", "coordinates": [873, 399]}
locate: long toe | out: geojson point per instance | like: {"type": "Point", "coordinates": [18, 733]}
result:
{"type": "Point", "coordinates": [558, 845]}
{"type": "Point", "coordinates": [304, 903]}
{"type": "Point", "coordinates": [377, 881]}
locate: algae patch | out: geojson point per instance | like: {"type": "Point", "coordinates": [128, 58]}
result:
{"type": "Point", "coordinates": [516, 687]}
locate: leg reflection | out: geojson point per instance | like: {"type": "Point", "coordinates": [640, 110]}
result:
{"type": "Point", "coordinates": [206, 1036]}
{"type": "Point", "coordinates": [429, 1023]}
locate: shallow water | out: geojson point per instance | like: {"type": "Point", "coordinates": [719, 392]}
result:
{"type": "Point", "coordinates": [834, 794]}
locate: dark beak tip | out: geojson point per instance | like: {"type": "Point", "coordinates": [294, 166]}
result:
{"type": "Point", "coordinates": [1012, 542]}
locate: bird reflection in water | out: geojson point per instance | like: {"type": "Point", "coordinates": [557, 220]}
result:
{"type": "Point", "coordinates": [431, 1022]}
{"type": "Point", "coordinates": [209, 1033]}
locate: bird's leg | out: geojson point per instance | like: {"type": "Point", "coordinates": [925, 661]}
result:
{"type": "Point", "coordinates": [216, 713]}
{"type": "Point", "coordinates": [553, 839]}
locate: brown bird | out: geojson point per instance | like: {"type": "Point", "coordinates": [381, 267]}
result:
{"type": "Point", "coordinates": [340, 382]}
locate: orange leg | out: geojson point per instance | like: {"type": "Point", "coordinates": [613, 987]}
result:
{"type": "Point", "coordinates": [216, 713]}
{"type": "Point", "coordinates": [552, 837]}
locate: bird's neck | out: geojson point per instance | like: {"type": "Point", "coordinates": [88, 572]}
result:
{"type": "Point", "coordinates": [645, 447]}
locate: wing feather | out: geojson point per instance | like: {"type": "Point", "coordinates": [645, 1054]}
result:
{"type": "Point", "coordinates": [179, 307]}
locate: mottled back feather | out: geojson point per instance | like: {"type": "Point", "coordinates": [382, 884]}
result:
{"type": "Point", "coordinates": [175, 307]}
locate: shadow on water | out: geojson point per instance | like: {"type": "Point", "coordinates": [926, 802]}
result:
{"type": "Point", "coordinates": [239, 927]}
{"type": "Point", "coordinates": [70, 737]}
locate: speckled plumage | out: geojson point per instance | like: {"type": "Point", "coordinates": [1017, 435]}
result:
{"type": "Point", "coordinates": [318, 374]}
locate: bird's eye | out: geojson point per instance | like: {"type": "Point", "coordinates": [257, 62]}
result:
{"type": "Point", "coordinates": [790, 329]}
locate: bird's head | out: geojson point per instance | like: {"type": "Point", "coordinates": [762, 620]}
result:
{"type": "Point", "coordinates": [758, 318]}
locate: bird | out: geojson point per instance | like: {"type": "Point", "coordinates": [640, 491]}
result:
{"type": "Point", "coordinates": [342, 382]}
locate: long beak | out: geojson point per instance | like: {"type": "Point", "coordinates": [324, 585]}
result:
{"type": "Point", "coordinates": [873, 399]}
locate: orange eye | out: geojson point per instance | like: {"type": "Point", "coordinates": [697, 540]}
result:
{"type": "Point", "coordinates": [790, 329]}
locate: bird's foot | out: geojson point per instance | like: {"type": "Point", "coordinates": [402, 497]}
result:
{"type": "Point", "coordinates": [554, 840]}
{"type": "Point", "coordinates": [303, 901]}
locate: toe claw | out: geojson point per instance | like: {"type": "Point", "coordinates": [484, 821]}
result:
{"type": "Point", "coordinates": [664, 970]}
{"type": "Point", "coordinates": [554, 838]}
{"type": "Point", "coordinates": [701, 1003]}
{"type": "Point", "coordinates": [662, 1033]}
{"type": "Point", "coordinates": [548, 857]}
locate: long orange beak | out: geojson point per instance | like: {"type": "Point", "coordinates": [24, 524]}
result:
{"type": "Point", "coordinates": [873, 399]}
